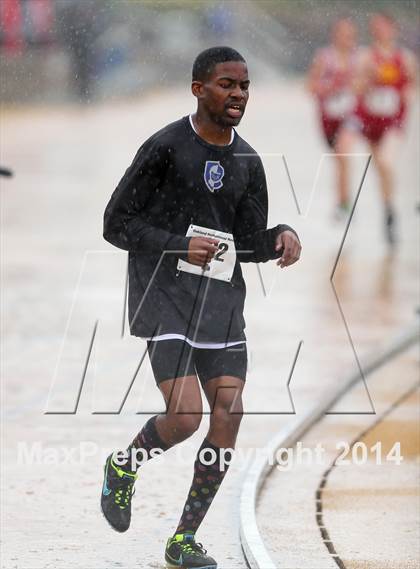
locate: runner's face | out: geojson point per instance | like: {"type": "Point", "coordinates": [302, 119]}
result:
{"type": "Point", "coordinates": [344, 35]}
{"type": "Point", "coordinates": [382, 29]}
{"type": "Point", "coordinates": [224, 94]}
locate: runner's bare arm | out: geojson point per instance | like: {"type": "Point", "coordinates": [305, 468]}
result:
{"type": "Point", "coordinates": [364, 71]}
{"type": "Point", "coordinates": [410, 63]}
{"type": "Point", "coordinates": [314, 82]}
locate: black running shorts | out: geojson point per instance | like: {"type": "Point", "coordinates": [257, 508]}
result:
{"type": "Point", "coordinates": [176, 358]}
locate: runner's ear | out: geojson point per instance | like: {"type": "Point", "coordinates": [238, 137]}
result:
{"type": "Point", "coordinates": [197, 89]}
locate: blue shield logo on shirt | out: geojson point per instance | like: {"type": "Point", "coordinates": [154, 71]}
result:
{"type": "Point", "coordinates": [213, 174]}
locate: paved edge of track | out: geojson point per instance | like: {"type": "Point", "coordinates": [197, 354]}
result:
{"type": "Point", "coordinates": [325, 536]}
{"type": "Point", "coordinates": [254, 550]}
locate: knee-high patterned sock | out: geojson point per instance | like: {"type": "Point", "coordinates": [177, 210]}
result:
{"type": "Point", "coordinates": [206, 482]}
{"type": "Point", "coordinates": [139, 450]}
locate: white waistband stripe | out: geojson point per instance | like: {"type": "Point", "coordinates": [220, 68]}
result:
{"type": "Point", "coordinates": [202, 345]}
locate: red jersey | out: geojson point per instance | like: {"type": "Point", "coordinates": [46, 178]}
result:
{"type": "Point", "coordinates": [340, 101]}
{"type": "Point", "coordinates": [383, 106]}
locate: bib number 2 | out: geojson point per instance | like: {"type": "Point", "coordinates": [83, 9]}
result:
{"type": "Point", "coordinates": [223, 263]}
{"type": "Point", "coordinates": [223, 248]}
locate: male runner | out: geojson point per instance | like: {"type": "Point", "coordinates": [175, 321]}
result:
{"type": "Point", "coordinates": [190, 208]}
{"type": "Point", "coordinates": [331, 80]}
{"type": "Point", "coordinates": [385, 74]}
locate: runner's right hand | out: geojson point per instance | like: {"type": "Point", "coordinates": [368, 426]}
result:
{"type": "Point", "coordinates": [201, 250]}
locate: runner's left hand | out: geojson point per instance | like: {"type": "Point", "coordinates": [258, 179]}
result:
{"type": "Point", "coordinates": [291, 246]}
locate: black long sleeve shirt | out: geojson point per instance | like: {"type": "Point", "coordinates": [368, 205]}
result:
{"type": "Point", "coordinates": [166, 189]}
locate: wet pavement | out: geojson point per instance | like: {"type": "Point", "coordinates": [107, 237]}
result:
{"type": "Point", "coordinates": [67, 162]}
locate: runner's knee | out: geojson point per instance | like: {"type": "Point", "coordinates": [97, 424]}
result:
{"type": "Point", "coordinates": [227, 416]}
{"type": "Point", "coordinates": [185, 425]}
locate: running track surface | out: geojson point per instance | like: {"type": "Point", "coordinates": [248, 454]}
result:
{"type": "Point", "coordinates": [67, 162]}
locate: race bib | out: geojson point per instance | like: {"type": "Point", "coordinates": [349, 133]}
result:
{"type": "Point", "coordinates": [339, 105]}
{"type": "Point", "coordinates": [383, 101]}
{"type": "Point", "coordinates": [222, 265]}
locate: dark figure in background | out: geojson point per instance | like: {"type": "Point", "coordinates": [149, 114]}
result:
{"type": "Point", "coordinates": [6, 172]}
{"type": "Point", "coordinates": [80, 25]}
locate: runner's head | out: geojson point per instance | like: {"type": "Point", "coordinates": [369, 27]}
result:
{"type": "Point", "coordinates": [383, 27]}
{"type": "Point", "coordinates": [220, 84]}
{"type": "Point", "coordinates": [343, 34]}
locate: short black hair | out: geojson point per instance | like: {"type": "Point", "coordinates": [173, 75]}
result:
{"type": "Point", "coordinates": [206, 61]}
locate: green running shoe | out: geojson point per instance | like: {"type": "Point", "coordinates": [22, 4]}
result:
{"type": "Point", "coordinates": [183, 552]}
{"type": "Point", "coordinates": [117, 492]}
